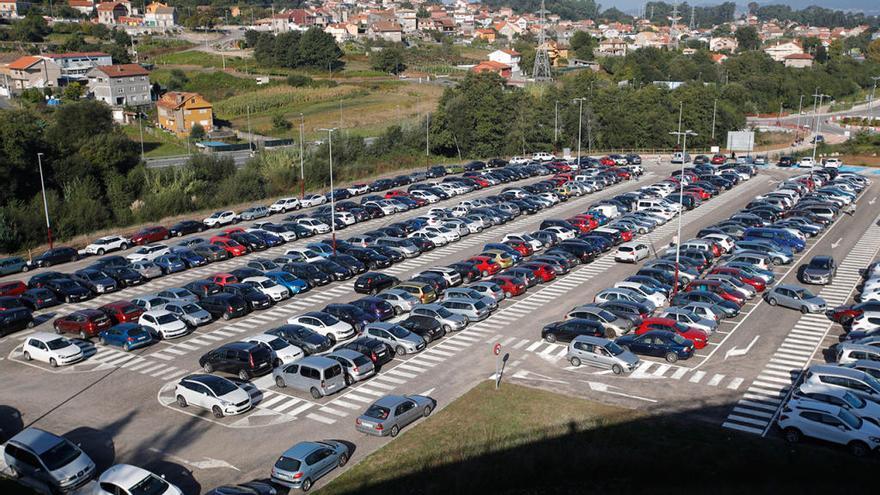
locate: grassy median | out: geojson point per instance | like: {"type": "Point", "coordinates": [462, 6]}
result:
{"type": "Point", "coordinates": [523, 440]}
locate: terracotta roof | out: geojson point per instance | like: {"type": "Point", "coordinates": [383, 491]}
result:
{"type": "Point", "coordinates": [386, 27]}
{"type": "Point", "coordinates": [176, 99]}
{"type": "Point", "coordinates": [109, 5]}
{"type": "Point", "coordinates": [799, 56]}
{"type": "Point", "coordinates": [123, 70]}
{"type": "Point", "coordinates": [77, 54]}
{"type": "Point", "coordinates": [512, 53]}
{"type": "Point", "coordinates": [491, 64]}
{"type": "Point", "coordinates": [24, 63]}
{"type": "Point", "coordinates": [80, 3]}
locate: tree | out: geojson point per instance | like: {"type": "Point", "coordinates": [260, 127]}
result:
{"type": "Point", "coordinates": [279, 123]}
{"type": "Point", "coordinates": [197, 132]}
{"type": "Point", "coordinates": [119, 53]}
{"type": "Point", "coordinates": [747, 38]}
{"type": "Point", "coordinates": [583, 45]}
{"type": "Point", "coordinates": [177, 81]}
{"type": "Point", "coordinates": [388, 60]}
{"type": "Point", "coordinates": [874, 51]}
{"type": "Point", "coordinates": [422, 13]}
{"type": "Point", "coordinates": [319, 50]}
{"type": "Point", "coordinates": [32, 28]}
{"type": "Point", "coordinates": [73, 91]}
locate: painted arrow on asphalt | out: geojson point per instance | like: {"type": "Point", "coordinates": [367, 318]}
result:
{"type": "Point", "coordinates": [741, 352]}
{"type": "Point", "coordinates": [836, 243]}
{"type": "Point", "coordinates": [207, 463]}
{"type": "Point", "coordinates": [607, 389]}
{"type": "Point", "coordinates": [873, 200]}
{"type": "Point", "coordinates": [427, 393]}
{"type": "Point", "coordinates": [528, 375]}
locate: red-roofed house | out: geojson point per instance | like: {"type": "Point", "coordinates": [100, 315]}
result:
{"type": "Point", "coordinates": [502, 70]}
{"type": "Point", "coordinates": [779, 51]}
{"type": "Point", "coordinates": [13, 9]}
{"type": "Point", "coordinates": [507, 57]}
{"type": "Point", "coordinates": [798, 60]}
{"type": "Point", "coordinates": [719, 58]}
{"type": "Point", "coordinates": [85, 7]}
{"type": "Point", "coordinates": [33, 72]}
{"type": "Point", "coordinates": [120, 85]}
{"type": "Point", "coordinates": [293, 20]}
{"type": "Point", "coordinates": [390, 31]}
{"type": "Point", "coordinates": [109, 13]}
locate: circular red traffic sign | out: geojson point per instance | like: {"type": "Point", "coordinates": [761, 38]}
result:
{"type": "Point", "coordinates": [496, 349]}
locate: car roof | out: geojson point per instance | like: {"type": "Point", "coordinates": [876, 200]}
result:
{"type": "Point", "coordinates": [390, 400]}
{"type": "Point", "coordinates": [36, 439]}
{"type": "Point", "coordinates": [124, 475]}
{"type": "Point", "coordinates": [156, 312]}
{"type": "Point", "coordinates": [44, 336]}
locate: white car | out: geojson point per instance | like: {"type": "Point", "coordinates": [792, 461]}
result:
{"type": "Point", "coordinates": [359, 189]}
{"type": "Point", "coordinates": [657, 298]}
{"type": "Point", "coordinates": [552, 197]}
{"type": "Point", "coordinates": [523, 237]}
{"type": "Point", "coordinates": [386, 208]}
{"type": "Point", "coordinates": [306, 254]}
{"type": "Point", "coordinates": [313, 200]}
{"type": "Point", "coordinates": [458, 211]}
{"type": "Point", "coordinates": [268, 286]}
{"type": "Point", "coordinates": [562, 233]}
{"type": "Point", "coordinates": [436, 238]}
{"type": "Point", "coordinates": [217, 394]}
{"type": "Point", "coordinates": [221, 218]}
{"type": "Point", "coordinates": [346, 217]}
{"type": "Point", "coordinates": [284, 351]}
{"type": "Point", "coordinates": [125, 479]}
{"type": "Point", "coordinates": [543, 156]}
{"type": "Point", "coordinates": [725, 241]}
{"type": "Point", "coordinates": [107, 244]}
{"type": "Point", "coordinates": [314, 225]}
{"type": "Point", "coordinates": [451, 236]}
{"type": "Point", "coordinates": [148, 252]}
{"type": "Point", "coordinates": [841, 398]}
{"type": "Point", "coordinates": [632, 252]}
{"type": "Point", "coordinates": [430, 198]}
{"type": "Point", "coordinates": [830, 423]}
{"type": "Point", "coordinates": [325, 324]}
{"type": "Point", "coordinates": [51, 349]}
{"type": "Point", "coordinates": [164, 323]}
{"type": "Point", "coordinates": [519, 160]}
{"type": "Point", "coordinates": [283, 205]}
{"type": "Point", "coordinates": [806, 162]}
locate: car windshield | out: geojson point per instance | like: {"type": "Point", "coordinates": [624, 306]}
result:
{"type": "Point", "coordinates": [166, 318]}
{"type": "Point", "coordinates": [614, 349]}
{"type": "Point", "coordinates": [398, 331]}
{"type": "Point", "coordinates": [56, 344]}
{"type": "Point", "coordinates": [377, 412]}
{"type": "Point", "coordinates": [287, 464]}
{"type": "Point", "coordinates": [821, 263]}
{"type": "Point", "coordinates": [267, 283]}
{"type": "Point", "coordinates": [325, 318]}
{"type": "Point", "coordinates": [60, 455]}
{"type": "Point", "coordinates": [479, 305]}
{"type": "Point", "coordinates": [678, 339]}
{"type": "Point", "coordinates": [850, 419]}
{"type": "Point", "coordinates": [443, 312]}
{"type": "Point", "coordinates": [151, 485]}
{"type": "Point", "coordinates": [853, 400]}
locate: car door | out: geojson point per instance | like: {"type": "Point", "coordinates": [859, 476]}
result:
{"type": "Point", "coordinates": [406, 413]}
{"type": "Point", "coordinates": [38, 350]}
{"type": "Point", "coordinates": [27, 463]}
{"type": "Point", "coordinates": [200, 394]}
{"type": "Point", "coordinates": [645, 345]}
{"type": "Point", "coordinates": [325, 462]}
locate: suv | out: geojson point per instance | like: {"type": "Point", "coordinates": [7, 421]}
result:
{"type": "Point", "coordinates": [48, 458]}
{"type": "Point", "coordinates": [224, 305]}
{"type": "Point", "coordinates": [243, 359]}
{"type": "Point", "coordinates": [374, 282]}
{"type": "Point", "coordinates": [830, 423]}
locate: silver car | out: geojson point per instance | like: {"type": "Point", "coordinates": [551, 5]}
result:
{"type": "Point", "coordinates": [606, 318]}
{"type": "Point", "coordinates": [356, 365]}
{"type": "Point", "coordinates": [466, 293]}
{"type": "Point", "coordinates": [794, 297]}
{"type": "Point", "coordinates": [473, 310]}
{"type": "Point", "coordinates": [147, 268]}
{"type": "Point", "coordinates": [388, 415]}
{"type": "Point", "coordinates": [178, 295]}
{"type": "Point", "coordinates": [490, 289]}
{"type": "Point", "coordinates": [401, 300]}
{"type": "Point", "coordinates": [318, 375]}
{"type": "Point", "coordinates": [400, 339]}
{"type": "Point", "coordinates": [49, 459]}
{"type": "Point", "coordinates": [150, 302]}
{"type": "Point", "coordinates": [691, 319]}
{"type": "Point", "coordinates": [601, 353]}
{"type": "Point", "coordinates": [191, 313]}
{"type": "Point", "coordinates": [450, 321]}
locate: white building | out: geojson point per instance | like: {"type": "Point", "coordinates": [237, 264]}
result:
{"type": "Point", "coordinates": [507, 57]}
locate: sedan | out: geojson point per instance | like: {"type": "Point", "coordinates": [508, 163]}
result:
{"type": "Point", "coordinates": [389, 414]}
{"type": "Point", "coordinates": [660, 343]}
{"type": "Point", "coordinates": [324, 324]}
{"type": "Point", "coordinates": [217, 394]}
{"type": "Point", "coordinates": [794, 297]}
{"type": "Point", "coordinates": [566, 330]}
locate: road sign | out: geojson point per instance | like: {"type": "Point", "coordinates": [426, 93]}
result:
{"type": "Point", "coordinates": [496, 349]}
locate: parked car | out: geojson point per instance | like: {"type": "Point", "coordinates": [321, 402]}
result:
{"type": "Point", "coordinates": [306, 462]}
{"type": "Point", "coordinates": [86, 323]}
{"type": "Point", "coordinates": [308, 340]}
{"type": "Point", "coordinates": [51, 349]}
{"type": "Point", "coordinates": [390, 413]}
{"type": "Point", "coordinates": [319, 375]}
{"type": "Point", "coordinates": [820, 270]}
{"type": "Point", "coordinates": [794, 297]}
{"type": "Point", "coordinates": [659, 343]}
{"type": "Point", "coordinates": [216, 394]}
{"type": "Point", "coordinates": [49, 459]}
{"type": "Point", "coordinates": [601, 353]}
{"type": "Point", "coordinates": [13, 264]}
{"type": "Point", "coordinates": [243, 359]}
{"type": "Point", "coordinates": [128, 336]}
{"type": "Point", "coordinates": [55, 256]}
{"type": "Point", "coordinates": [128, 479]}
{"type": "Point", "coordinates": [107, 244]}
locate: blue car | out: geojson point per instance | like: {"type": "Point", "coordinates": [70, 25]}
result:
{"type": "Point", "coordinates": [189, 257]}
{"type": "Point", "coordinates": [269, 238]}
{"type": "Point", "coordinates": [375, 306]}
{"type": "Point", "coordinates": [129, 336]}
{"type": "Point", "coordinates": [13, 265]}
{"type": "Point", "coordinates": [599, 216]}
{"type": "Point", "coordinates": [306, 462]}
{"type": "Point", "coordinates": [659, 343]}
{"type": "Point", "coordinates": [170, 263]}
{"type": "Point", "coordinates": [290, 282]}
{"type": "Point", "coordinates": [322, 248]}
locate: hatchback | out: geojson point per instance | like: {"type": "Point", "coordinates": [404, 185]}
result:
{"type": "Point", "coordinates": [794, 297]}
{"type": "Point", "coordinates": [306, 462]}
{"type": "Point", "coordinates": [601, 353]}
{"type": "Point", "coordinates": [122, 311]}
{"type": "Point", "coordinates": [217, 394]}
{"type": "Point", "coordinates": [129, 336]}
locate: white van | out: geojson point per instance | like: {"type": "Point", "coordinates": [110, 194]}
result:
{"type": "Point", "coordinates": [609, 211]}
{"type": "Point", "coordinates": [644, 204]}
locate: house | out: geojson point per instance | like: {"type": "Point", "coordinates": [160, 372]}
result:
{"type": "Point", "coordinates": [487, 35]}
{"type": "Point", "coordinates": [389, 31]}
{"type": "Point", "coordinates": [33, 72]}
{"type": "Point", "coordinates": [339, 32]}
{"type": "Point", "coordinates": [507, 29]}
{"type": "Point", "coordinates": [407, 19]}
{"type": "Point", "coordinates": [778, 51]}
{"type": "Point", "coordinates": [292, 20]}
{"type": "Point", "coordinates": [109, 13]}
{"type": "Point", "coordinates": [160, 16]}
{"type": "Point", "coordinates": [614, 47]}
{"type": "Point", "coordinates": [507, 57]}
{"type": "Point", "coordinates": [120, 85]}
{"type": "Point", "coordinates": [85, 7]}
{"type": "Point", "coordinates": [798, 60]}
{"type": "Point", "coordinates": [75, 65]}
{"type": "Point", "coordinates": [502, 70]}
{"type": "Point", "coordinates": [723, 44]}
{"type": "Point", "coordinates": [13, 9]}
{"type": "Point", "coordinates": [178, 112]}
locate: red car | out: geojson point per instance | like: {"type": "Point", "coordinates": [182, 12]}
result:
{"type": "Point", "coordinates": [232, 230]}
{"type": "Point", "coordinates": [590, 218]}
{"type": "Point", "coordinates": [521, 247]}
{"type": "Point", "coordinates": [150, 234]}
{"type": "Point", "coordinates": [85, 322]}
{"type": "Point", "coordinates": [758, 284]}
{"type": "Point", "coordinates": [716, 287]}
{"type": "Point", "coordinates": [16, 288]}
{"type": "Point", "coordinates": [626, 235]}
{"type": "Point", "coordinates": [607, 161]}
{"type": "Point", "coordinates": [544, 271]}
{"type": "Point", "coordinates": [704, 195]}
{"type": "Point", "coordinates": [718, 160]}
{"type": "Point", "coordinates": [511, 286]}
{"type": "Point", "coordinates": [698, 337]}
{"type": "Point", "coordinates": [582, 224]}
{"type": "Point", "coordinates": [230, 246]}
{"type": "Point", "coordinates": [845, 314]}
{"type": "Point", "coordinates": [623, 173]}
{"type": "Point", "coordinates": [222, 279]}
{"type": "Point", "coordinates": [481, 181]}
{"type": "Point", "coordinates": [557, 180]}
{"type": "Point", "coordinates": [485, 265]}
{"type": "Point", "coordinates": [122, 312]}
{"type": "Point", "coordinates": [395, 193]}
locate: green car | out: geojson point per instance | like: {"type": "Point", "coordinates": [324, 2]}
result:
{"type": "Point", "coordinates": [13, 265]}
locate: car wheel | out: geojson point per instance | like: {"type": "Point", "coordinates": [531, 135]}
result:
{"type": "Point", "coordinates": [279, 382]}
{"type": "Point", "coordinates": [373, 292]}
{"type": "Point", "coordinates": [73, 258]}
{"type": "Point", "coordinates": [772, 301]}
{"type": "Point", "coordinates": [306, 485]}
{"type": "Point", "coordinates": [67, 299]}
{"type": "Point", "coordinates": [575, 362]}
{"type": "Point", "coordinates": [508, 295]}
{"type": "Point", "coordinates": [103, 340]}
{"type": "Point", "coordinates": [400, 351]}
{"type": "Point", "coordinates": [47, 264]}
{"type": "Point", "coordinates": [858, 449]}
{"type": "Point", "coordinates": [31, 324]}
{"type": "Point", "coordinates": [218, 413]}
{"type": "Point", "coordinates": [394, 431]}
{"type": "Point", "coordinates": [244, 375]}
{"type": "Point", "coordinates": [316, 394]}
{"type": "Point", "coordinates": [181, 401]}
{"type": "Point", "coordinates": [27, 356]}
{"type": "Point", "coordinates": [397, 310]}
{"type": "Point", "coordinates": [349, 380]}
{"type": "Point", "coordinates": [208, 367]}
{"type": "Point", "coordinates": [617, 369]}
{"type": "Point", "coordinates": [126, 347]}
{"type": "Point", "coordinates": [792, 435]}
{"type": "Point", "coordinates": [671, 357]}
{"type": "Point", "coordinates": [343, 460]}
{"type": "Point", "coordinates": [226, 316]}
{"type": "Point", "coordinates": [805, 310]}
{"type": "Point", "coordinates": [82, 335]}
{"type": "Point", "coordinates": [101, 252]}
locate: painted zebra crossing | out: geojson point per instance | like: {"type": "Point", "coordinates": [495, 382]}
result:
{"type": "Point", "coordinates": [100, 358]}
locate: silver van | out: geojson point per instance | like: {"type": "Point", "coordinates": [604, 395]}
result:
{"type": "Point", "coordinates": [473, 310]}
{"type": "Point", "coordinates": [357, 366]}
{"type": "Point", "coordinates": [601, 353]}
{"type": "Point", "coordinates": [38, 455]}
{"type": "Point", "coordinates": [317, 375]}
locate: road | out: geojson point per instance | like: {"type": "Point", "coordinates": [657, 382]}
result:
{"type": "Point", "coordinates": [120, 406]}
{"type": "Point", "coordinates": [239, 157]}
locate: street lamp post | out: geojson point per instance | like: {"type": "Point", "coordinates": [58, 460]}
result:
{"type": "Point", "coordinates": [332, 196]}
{"type": "Point", "coordinates": [580, 120]}
{"type": "Point", "coordinates": [873, 89]}
{"type": "Point", "coordinates": [714, 112]}
{"type": "Point", "coordinates": [302, 174]}
{"type": "Point", "coordinates": [683, 135]}
{"type": "Point", "coordinates": [45, 202]}
{"type": "Point", "coordinates": [427, 141]}
{"type": "Point", "coordinates": [797, 133]}
{"type": "Point", "coordinates": [816, 128]}
{"type": "Point", "coordinates": [556, 123]}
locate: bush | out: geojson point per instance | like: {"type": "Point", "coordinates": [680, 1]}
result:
{"type": "Point", "coordinates": [299, 80]}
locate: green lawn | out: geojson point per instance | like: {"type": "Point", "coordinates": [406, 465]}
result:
{"type": "Point", "coordinates": [157, 143]}
{"type": "Point", "coordinates": [521, 440]}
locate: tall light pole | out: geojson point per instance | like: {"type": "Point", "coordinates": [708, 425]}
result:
{"type": "Point", "coordinates": [427, 140]}
{"type": "Point", "coordinates": [683, 136]}
{"type": "Point", "coordinates": [556, 124]}
{"type": "Point", "coordinates": [797, 133]}
{"type": "Point", "coordinates": [816, 128]}
{"type": "Point", "coordinates": [332, 196]}
{"type": "Point", "coordinates": [714, 111]}
{"type": "Point", "coordinates": [680, 113]}
{"type": "Point", "coordinates": [302, 174]}
{"type": "Point", "coordinates": [873, 89]}
{"type": "Point", "coordinates": [580, 101]}
{"type": "Point", "coordinates": [45, 203]}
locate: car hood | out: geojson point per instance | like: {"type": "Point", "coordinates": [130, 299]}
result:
{"type": "Point", "coordinates": [79, 464]}
{"type": "Point", "coordinates": [818, 301]}
{"type": "Point", "coordinates": [816, 271]}
{"type": "Point", "coordinates": [69, 351]}
{"type": "Point", "coordinates": [235, 396]}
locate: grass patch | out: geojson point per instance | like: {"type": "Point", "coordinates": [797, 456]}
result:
{"type": "Point", "coordinates": [278, 99]}
{"type": "Point", "coordinates": [213, 85]}
{"type": "Point", "coordinates": [523, 440]}
{"type": "Point", "coordinates": [157, 143]}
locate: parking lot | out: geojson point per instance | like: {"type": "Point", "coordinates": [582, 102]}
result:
{"type": "Point", "coordinates": [750, 363]}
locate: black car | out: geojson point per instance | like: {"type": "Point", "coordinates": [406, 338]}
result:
{"type": "Point", "coordinates": [309, 341]}
{"type": "Point", "coordinates": [467, 270]}
{"type": "Point", "coordinates": [203, 288]}
{"type": "Point", "coordinates": [378, 351]}
{"type": "Point", "coordinates": [785, 161]}
{"type": "Point", "coordinates": [306, 271]}
{"type": "Point", "coordinates": [110, 261]}
{"type": "Point", "coordinates": [351, 314]}
{"type": "Point", "coordinates": [10, 302]}
{"type": "Point", "coordinates": [428, 328]}
{"type": "Point", "coordinates": [334, 270]}
{"type": "Point", "coordinates": [631, 311]}
{"type": "Point", "coordinates": [210, 252]}
{"type": "Point", "coordinates": [40, 279]}
{"type": "Point", "coordinates": [392, 254]}
{"type": "Point", "coordinates": [374, 282]}
{"type": "Point", "coordinates": [423, 244]}
{"type": "Point", "coordinates": [39, 299]}
{"type": "Point", "coordinates": [15, 319]}
{"type": "Point", "coordinates": [225, 305]}
{"type": "Point", "coordinates": [437, 171]}
{"type": "Point", "coordinates": [124, 276]}
{"type": "Point", "coordinates": [255, 299]}
{"type": "Point", "coordinates": [583, 251]}
{"type": "Point", "coordinates": [369, 257]}
{"type": "Point", "coordinates": [242, 359]}
{"type": "Point", "coordinates": [55, 256]}
{"type": "Point", "coordinates": [248, 240]}
{"type": "Point", "coordinates": [381, 185]}
{"type": "Point", "coordinates": [437, 282]}
{"type": "Point", "coordinates": [349, 262]}
{"type": "Point", "coordinates": [68, 290]}
{"type": "Point", "coordinates": [376, 307]}
{"type": "Point", "coordinates": [246, 272]}
{"type": "Point", "coordinates": [186, 227]}
{"type": "Point", "coordinates": [567, 330]}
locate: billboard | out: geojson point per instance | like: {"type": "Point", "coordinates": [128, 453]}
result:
{"type": "Point", "coordinates": [741, 141]}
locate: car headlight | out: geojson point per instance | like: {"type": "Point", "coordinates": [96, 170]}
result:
{"type": "Point", "coordinates": [100, 287]}
{"type": "Point", "coordinates": [875, 439]}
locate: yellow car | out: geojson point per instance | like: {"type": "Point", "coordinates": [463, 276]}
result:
{"type": "Point", "coordinates": [421, 290]}
{"type": "Point", "coordinates": [500, 257]}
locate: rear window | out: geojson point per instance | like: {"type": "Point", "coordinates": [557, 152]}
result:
{"type": "Point", "coordinates": [287, 464]}
{"type": "Point", "coordinates": [261, 354]}
{"type": "Point", "coordinates": [377, 412]}
{"type": "Point", "coordinates": [335, 370]}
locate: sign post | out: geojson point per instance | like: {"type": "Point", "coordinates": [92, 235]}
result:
{"type": "Point", "coordinates": [499, 363]}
